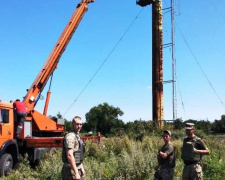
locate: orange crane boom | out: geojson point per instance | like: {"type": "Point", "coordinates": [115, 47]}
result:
{"type": "Point", "coordinates": [51, 63]}
{"type": "Point", "coordinates": [42, 122]}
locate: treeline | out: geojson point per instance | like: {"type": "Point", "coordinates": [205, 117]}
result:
{"type": "Point", "coordinates": [104, 118]}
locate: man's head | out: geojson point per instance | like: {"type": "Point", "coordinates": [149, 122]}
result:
{"type": "Point", "coordinates": [166, 136]}
{"type": "Point", "coordinates": [190, 128]}
{"type": "Point", "coordinates": [77, 123]}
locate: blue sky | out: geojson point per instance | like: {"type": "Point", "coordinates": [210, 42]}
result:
{"type": "Point", "coordinates": [30, 28]}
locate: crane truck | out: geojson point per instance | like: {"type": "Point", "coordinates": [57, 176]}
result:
{"type": "Point", "coordinates": [39, 132]}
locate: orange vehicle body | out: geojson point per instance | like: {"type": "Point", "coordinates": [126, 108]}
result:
{"type": "Point", "coordinates": [39, 131]}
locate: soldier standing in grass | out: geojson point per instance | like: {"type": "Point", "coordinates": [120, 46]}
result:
{"type": "Point", "coordinates": [166, 159]}
{"type": "Point", "coordinates": [191, 153]}
{"type": "Point", "coordinates": [73, 152]}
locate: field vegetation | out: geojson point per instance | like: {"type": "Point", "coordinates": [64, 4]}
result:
{"type": "Point", "coordinates": [126, 158]}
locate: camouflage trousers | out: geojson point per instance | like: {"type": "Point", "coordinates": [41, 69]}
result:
{"type": "Point", "coordinates": [192, 172]}
{"type": "Point", "coordinates": [67, 172]}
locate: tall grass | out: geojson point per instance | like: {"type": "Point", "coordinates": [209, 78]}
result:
{"type": "Point", "coordinates": [126, 159]}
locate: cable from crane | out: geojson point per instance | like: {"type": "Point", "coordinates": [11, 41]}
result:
{"type": "Point", "coordinates": [107, 57]}
{"type": "Point", "coordinates": [217, 10]}
{"type": "Point", "coordinates": [200, 66]}
{"type": "Point", "coordinates": [181, 101]}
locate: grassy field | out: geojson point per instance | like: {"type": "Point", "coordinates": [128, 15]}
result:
{"type": "Point", "coordinates": [126, 159]}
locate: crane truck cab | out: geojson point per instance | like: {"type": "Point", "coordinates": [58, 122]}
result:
{"type": "Point", "coordinates": [9, 149]}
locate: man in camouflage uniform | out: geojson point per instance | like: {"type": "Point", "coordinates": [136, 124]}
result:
{"type": "Point", "coordinates": [166, 159]}
{"type": "Point", "coordinates": [191, 153]}
{"type": "Point", "coordinates": [73, 167]}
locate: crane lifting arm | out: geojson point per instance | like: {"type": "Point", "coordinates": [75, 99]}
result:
{"type": "Point", "coordinates": [51, 63]}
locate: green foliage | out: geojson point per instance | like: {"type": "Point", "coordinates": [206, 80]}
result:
{"type": "Point", "coordinates": [50, 167]}
{"type": "Point", "coordinates": [130, 159]}
{"type": "Point", "coordinates": [24, 171]}
{"type": "Point", "coordinates": [56, 117]}
{"type": "Point", "coordinates": [178, 124]}
{"type": "Point", "coordinates": [219, 125]}
{"type": "Point", "coordinates": [125, 158]}
{"type": "Point", "coordinates": [139, 129]}
{"type": "Point", "coordinates": [103, 118]}
{"type": "Point", "coordinates": [68, 125]}
{"type": "Point", "coordinates": [214, 164]}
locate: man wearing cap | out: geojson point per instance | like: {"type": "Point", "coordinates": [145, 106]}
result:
{"type": "Point", "coordinates": [191, 153]}
{"type": "Point", "coordinates": [166, 158]}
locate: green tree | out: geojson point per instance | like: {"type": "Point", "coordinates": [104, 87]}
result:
{"type": "Point", "coordinates": [178, 124]}
{"type": "Point", "coordinates": [56, 117]}
{"type": "Point", "coordinates": [68, 125]}
{"type": "Point", "coordinates": [103, 118]}
{"type": "Point", "coordinates": [219, 125]}
{"type": "Point", "coordinates": [139, 128]}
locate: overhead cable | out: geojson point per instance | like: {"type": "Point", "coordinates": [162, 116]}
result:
{"type": "Point", "coordinates": [217, 10]}
{"type": "Point", "coordinates": [107, 57]}
{"type": "Point", "coordinates": [200, 67]}
{"type": "Point", "coordinates": [181, 100]}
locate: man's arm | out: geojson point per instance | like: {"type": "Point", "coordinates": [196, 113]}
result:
{"type": "Point", "coordinates": [201, 148]}
{"type": "Point", "coordinates": [71, 160]}
{"type": "Point", "coordinates": [169, 150]}
{"type": "Point", "coordinates": [163, 155]}
{"type": "Point", "coordinates": [204, 152]}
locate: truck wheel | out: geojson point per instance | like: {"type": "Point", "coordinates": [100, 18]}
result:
{"type": "Point", "coordinates": [6, 164]}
